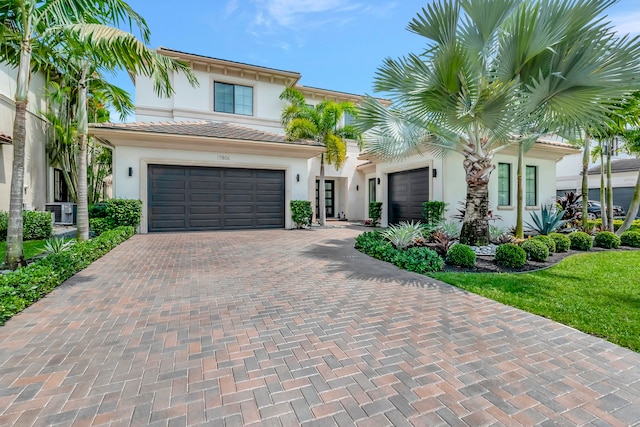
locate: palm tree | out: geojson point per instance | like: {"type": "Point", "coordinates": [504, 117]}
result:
{"type": "Point", "coordinates": [321, 124]}
{"type": "Point", "coordinates": [632, 146]}
{"type": "Point", "coordinates": [492, 68]}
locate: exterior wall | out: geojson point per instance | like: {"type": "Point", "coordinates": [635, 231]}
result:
{"type": "Point", "coordinates": [135, 187]}
{"type": "Point", "coordinates": [569, 172]}
{"type": "Point", "coordinates": [36, 170]}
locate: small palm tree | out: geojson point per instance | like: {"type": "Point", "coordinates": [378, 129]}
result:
{"type": "Point", "coordinates": [321, 124]}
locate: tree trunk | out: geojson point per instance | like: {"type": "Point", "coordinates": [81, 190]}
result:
{"type": "Point", "coordinates": [603, 191]}
{"type": "Point", "coordinates": [322, 214]}
{"type": "Point", "coordinates": [585, 181]}
{"type": "Point", "coordinates": [633, 208]}
{"type": "Point", "coordinates": [83, 126]}
{"type": "Point", "coordinates": [609, 193]}
{"type": "Point", "coordinates": [475, 227]}
{"type": "Point", "coordinates": [519, 196]}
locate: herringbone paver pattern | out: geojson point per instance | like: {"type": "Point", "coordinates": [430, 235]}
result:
{"type": "Point", "coordinates": [284, 328]}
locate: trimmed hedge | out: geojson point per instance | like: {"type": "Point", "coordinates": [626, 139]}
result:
{"type": "Point", "coordinates": [606, 240]}
{"type": "Point", "coordinates": [548, 241]}
{"type": "Point", "coordinates": [563, 243]}
{"type": "Point", "coordinates": [630, 238]}
{"type": "Point", "coordinates": [536, 250]}
{"type": "Point", "coordinates": [419, 259]}
{"type": "Point", "coordinates": [461, 256]}
{"type": "Point", "coordinates": [123, 212]}
{"type": "Point", "coordinates": [580, 241]}
{"type": "Point", "coordinates": [21, 288]}
{"type": "Point", "coordinates": [36, 225]}
{"type": "Point", "coordinates": [510, 255]}
{"type": "Point", "coordinates": [597, 223]}
{"type": "Point", "coordinates": [301, 212]}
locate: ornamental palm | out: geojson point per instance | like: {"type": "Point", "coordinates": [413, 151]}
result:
{"type": "Point", "coordinates": [319, 123]}
{"type": "Point", "coordinates": [493, 68]}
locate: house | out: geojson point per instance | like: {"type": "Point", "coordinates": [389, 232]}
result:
{"type": "Point", "coordinates": [215, 157]}
{"type": "Point", "coordinates": [38, 177]}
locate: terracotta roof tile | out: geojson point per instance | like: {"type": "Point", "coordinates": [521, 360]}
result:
{"type": "Point", "coordinates": [203, 128]}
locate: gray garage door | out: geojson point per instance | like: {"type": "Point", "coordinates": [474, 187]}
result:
{"type": "Point", "coordinates": [407, 191]}
{"type": "Point", "coordinates": [187, 198]}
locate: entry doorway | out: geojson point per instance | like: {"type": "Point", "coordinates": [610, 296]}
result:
{"type": "Point", "coordinates": [329, 197]}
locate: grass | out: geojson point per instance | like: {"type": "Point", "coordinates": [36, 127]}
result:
{"type": "Point", "coordinates": [31, 248]}
{"type": "Point", "coordinates": [597, 293]}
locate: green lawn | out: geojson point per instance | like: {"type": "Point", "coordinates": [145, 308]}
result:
{"type": "Point", "coordinates": [31, 248]}
{"type": "Point", "coordinates": [597, 293]}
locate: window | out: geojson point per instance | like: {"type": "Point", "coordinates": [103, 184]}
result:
{"type": "Point", "coordinates": [235, 99]}
{"type": "Point", "coordinates": [504, 184]}
{"type": "Point", "coordinates": [348, 119]}
{"type": "Point", "coordinates": [372, 190]}
{"type": "Point", "coordinates": [531, 185]}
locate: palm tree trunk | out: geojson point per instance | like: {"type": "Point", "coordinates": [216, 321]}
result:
{"type": "Point", "coordinates": [475, 226]}
{"type": "Point", "coordinates": [519, 196]}
{"type": "Point", "coordinates": [609, 193]}
{"type": "Point", "coordinates": [83, 129]}
{"type": "Point", "coordinates": [322, 214]}
{"type": "Point", "coordinates": [633, 209]}
{"type": "Point", "coordinates": [14, 255]}
{"type": "Point", "coordinates": [603, 189]}
{"type": "Point", "coordinates": [585, 181]}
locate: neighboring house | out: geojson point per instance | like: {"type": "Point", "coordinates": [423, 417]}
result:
{"type": "Point", "coordinates": [215, 157]}
{"type": "Point", "coordinates": [37, 175]}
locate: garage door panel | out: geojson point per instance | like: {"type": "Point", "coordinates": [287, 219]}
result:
{"type": "Point", "coordinates": [407, 191]}
{"type": "Point", "coordinates": [183, 198]}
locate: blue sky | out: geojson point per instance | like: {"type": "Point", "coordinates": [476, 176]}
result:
{"type": "Point", "coordinates": [334, 44]}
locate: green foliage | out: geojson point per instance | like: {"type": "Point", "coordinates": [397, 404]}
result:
{"type": "Point", "coordinates": [451, 228]}
{"type": "Point", "coordinates": [580, 241]}
{"type": "Point", "coordinates": [123, 212]}
{"type": "Point", "coordinates": [31, 248]}
{"type": "Point", "coordinates": [404, 234]}
{"type": "Point", "coordinates": [419, 259]}
{"type": "Point", "coordinates": [461, 255]}
{"type": "Point", "coordinates": [36, 225]}
{"type": "Point", "coordinates": [606, 240]}
{"type": "Point", "coordinates": [548, 241]}
{"type": "Point", "coordinates": [547, 221]}
{"type": "Point", "coordinates": [536, 250]}
{"type": "Point", "coordinates": [510, 255]}
{"type": "Point", "coordinates": [301, 212]}
{"type": "Point", "coordinates": [597, 223]}
{"type": "Point", "coordinates": [98, 226]}
{"type": "Point", "coordinates": [630, 238]}
{"type": "Point", "coordinates": [55, 245]}
{"type": "Point", "coordinates": [98, 210]}
{"type": "Point", "coordinates": [563, 243]}
{"type": "Point", "coordinates": [433, 212]}
{"type": "Point", "coordinates": [375, 212]}
{"type": "Point", "coordinates": [24, 286]}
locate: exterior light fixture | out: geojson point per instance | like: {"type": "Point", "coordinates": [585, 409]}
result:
{"type": "Point", "coordinates": [435, 173]}
{"type": "Point", "coordinates": [130, 171]}
{"type": "Point", "coordinates": [378, 181]}
{"type": "Point", "coordinates": [297, 177]}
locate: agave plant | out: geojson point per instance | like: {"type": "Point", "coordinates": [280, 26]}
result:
{"type": "Point", "coordinates": [547, 221]}
{"type": "Point", "coordinates": [404, 234]}
{"type": "Point", "coordinates": [56, 245]}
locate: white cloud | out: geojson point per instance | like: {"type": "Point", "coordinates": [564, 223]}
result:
{"type": "Point", "coordinates": [232, 6]}
{"type": "Point", "coordinates": [627, 23]}
{"type": "Point", "coordinates": [291, 13]}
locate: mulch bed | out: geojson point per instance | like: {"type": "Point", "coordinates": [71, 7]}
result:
{"type": "Point", "coordinates": [486, 264]}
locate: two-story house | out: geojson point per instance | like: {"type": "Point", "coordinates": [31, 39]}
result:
{"type": "Point", "coordinates": [215, 157]}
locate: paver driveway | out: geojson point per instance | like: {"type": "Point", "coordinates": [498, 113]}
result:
{"type": "Point", "coordinates": [294, 327]}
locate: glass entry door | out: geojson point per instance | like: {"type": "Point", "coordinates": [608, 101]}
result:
{"type": "Point", "coordinates": [329, 197]}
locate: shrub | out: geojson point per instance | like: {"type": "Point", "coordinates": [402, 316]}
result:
{"type": "Point", "coordinates": [56, 244]}
{"type": "Point", "coordinates": [607, 240]}
{"type": "Point", "coordinates": [404, 234]}
{"type": "Point", "coordinates": [123, 212]}
{"type": "Point", "coordinates": [630, 238]}
{"type": "Point", "coordinates": [98, 225]}
{"type": "Point", "coordinates": [375, 212]}
{"type": "Point", "coordinates": [301, 212]}
{"type": "Point", "coordinates": [442, 242]}
{"type": "Point", "coordinates": [617, 223]}
{"type": "Point", "coordinates": [536, 250]}
{"type": "Point", "coordinates": [98, 210]}
{"type": "Point", "coordinates": [452, 228]}
{"type": "Point", "coordinates": [547, 221]}
{"type": "Point", "coordinates": [21, 288]}
{"type": "Point", "coordinates": [419, 259]}
{"type": "Point", "coordinates": [433, 212]}
{"type": "Point", "coordinates": [563, 243]}
{"type": "Point", "coordinates": [510, 255]}
{"type": "Point", "coordinates": [461, 255]}
{"type": "Point", "coordinates": [36, 225]}
{"type": "Point", "coordinates": [580, 241]}
{"type": "Point", "coordinates": [548, 241]}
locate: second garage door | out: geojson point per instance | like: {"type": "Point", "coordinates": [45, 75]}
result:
{"type": "Point", "coordinates": [188, 198]}
{"type": "Point", "coordinates": [407, 191]}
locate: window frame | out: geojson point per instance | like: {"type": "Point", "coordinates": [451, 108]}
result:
{"type": "Point", "coordinates": [501, 178]}
{"type": "Point", "coordinates": [372, 185]}
{"type": "Point", "coordinates": [531, 191]}
{"type": "Point", "coordinates": [235, 104]}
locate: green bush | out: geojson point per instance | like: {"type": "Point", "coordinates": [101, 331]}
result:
{"type": "Point", "coordinates": [433, 212]}
{"type": "Point", "coordinates": [375, 212]}
{"type": "Point", "coordinates": [419, 259]}
{"type": "Point", "coordinates": [548, 241]}
{"type": "Point", "coordinates": [510, 255]}
{"type": "Point", "coordinates": [630, 238]}
{"type": "Point", "coordinates": [536, 250]}
{"type": "Point", "coordinates": [563, 243]}
{"type": "Point", "coordinates": [123, 212]}
{"type": "Point", "coordinates": [606, 240]}
{"type": "Point", "coordinates": [597, 223]}
{"type": "Point", "coordinates": [461, 255]}
{"type": "Point", "coordinates": [36, 225]}
{"type": "Point", "coordinates": [21, 288]}
{"type": "Point", "coordinates": [301, 212]}
{"type": "Point", "coordinates": [98, 210]}
{"type": "Point", "coordinates": [98, 226]}
{"type": "Point", "coordinates": [580, 241]}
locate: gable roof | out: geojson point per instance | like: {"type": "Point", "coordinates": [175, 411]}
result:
{"type": "Point", "coordinates": [204, 128]}
{"type": "Point", "coordinates": [621, 165]}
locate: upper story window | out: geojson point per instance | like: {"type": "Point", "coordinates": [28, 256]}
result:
{"type": "Point", "coordinates": [235, 99]}
{"type": "Point", "coordinates": [348, 119]}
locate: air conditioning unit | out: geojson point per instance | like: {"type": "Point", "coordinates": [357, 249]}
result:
{"type": "Point", "coordinates": [64, 213]}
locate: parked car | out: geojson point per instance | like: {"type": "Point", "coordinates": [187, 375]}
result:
{"type": "Point", "coordinates": [594, 209]}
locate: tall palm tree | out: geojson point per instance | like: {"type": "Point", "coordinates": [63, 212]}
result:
{"type": "Point", "coordinates": [321, 124]}
{"type": "Point", "coordinates": [492, 68]}
{"type": "Point", "coordinates": [632, 146]}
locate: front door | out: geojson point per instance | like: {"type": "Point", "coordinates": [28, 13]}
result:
{"type": "Point", "coordinates": [329, 197]}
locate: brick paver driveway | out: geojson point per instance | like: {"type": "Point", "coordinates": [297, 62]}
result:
{"type": "Point", "coordinates": [294, 327]}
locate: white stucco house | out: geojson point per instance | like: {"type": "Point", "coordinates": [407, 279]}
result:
{"type": "Point", "coordinates": [215, 157]}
